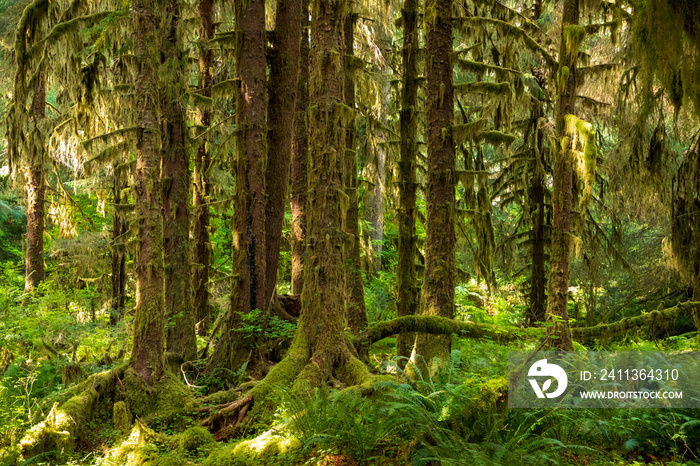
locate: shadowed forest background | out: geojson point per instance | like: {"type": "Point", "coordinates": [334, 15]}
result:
{"type": "Point", "coordinates": [308, 232]}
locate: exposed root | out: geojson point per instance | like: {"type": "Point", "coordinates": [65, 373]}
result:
{"type": "Point", "coordinates": [229, 410]}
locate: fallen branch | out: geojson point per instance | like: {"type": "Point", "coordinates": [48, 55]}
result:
{"type": "Point", "coordinates": [658, 319]}
{"type": "Point", "coordinates": [60, 429]}
{"type": "Point", "coordinates": [443, 326]}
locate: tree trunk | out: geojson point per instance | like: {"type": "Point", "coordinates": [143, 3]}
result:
{"type": "Point", "coordinates": [356, 312]}
{"type": "Point", "coordinates": [322, 320]}
{"type": "Point", "coordinates": [559, 335]}
{"type": "Point", "coordinates": [175, 179]}
{"type": "Point", "coordinates": [119, 228]}
{"type": "Point", "coordinates": [200, 278]}
{"type": "Point", "coordinates": [437, 297]}
{"type": "Point", "coordinates": [299, 158]}
{"type": "Point", "coordinates": [284, 76]}
{"type": "Point", "coordinates": [538, 298]}
{"type": "Point", "coordinates": [248, 278]}
{"type": "Point", "coordinates": [406, 303]}
{"type": "Point", "coordinates": [36, 193]}
{"type": "Point", "coordinates": [320, 349]}
{"type": "Point", "coordinates": [375, 172]}
{"type": "Point", "coordinates": [147, 353]}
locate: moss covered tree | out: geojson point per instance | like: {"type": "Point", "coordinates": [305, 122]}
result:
{"type": "Point", "coordinates": [299, 158]}
{"type": "Point", "coordinates": [249, 252]}
{"type": "Point", "coordinates": [355, 309]}
{"type": "Point", "coordinates": [407, 293]}
{"type": "Point", "coordinates": [562, 191]}
{"type": "Point", "coordinates": [176, 184]}
{"type": "Point", "coordinates": [202, 162]}
{"type": "Point", "coordinates": [147, 351]}
{"type": "Point", "coordinates": [284, 75]}
{"type": "Point", "coordinates": [28, 127]}
{"type": "Point", "coordinates": [437, 295]}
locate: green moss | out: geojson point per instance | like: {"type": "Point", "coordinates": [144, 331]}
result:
{"type": "Point", "coordinates": [582, 132]}
{"type": "Point", "coordinates": [284, 373]}
{"type": "Point", "coordinates": [9, 456]}
{"type": "Point", "coordinates": [196, 440]}
{"type": "Point", "coordinates": [168, 400]}
{"type": "Point", "coordinates": [496, 138]}
{"type": "Point", "coordinates": [573, 35]}
{"type": "Point", "coordinates": [493, 394]}
{"type": "Point", "coordinates": [226, 457]}
{"type": "Point", "coordinates": [170, 459]}
{"type": "Point", "coordinates": [563, 77]}
{"type": "Point", "coordinates": [267, 445]}
{"type": "Point", "coordinates": [121, 417]}
{"type": "Point", "coordinates": [62, 426]}
{"type": "Point", "coordinates": [354, 372]}
{"type": "Point", "coordinates": [138, 449]}
{"type": "Point", "coordinates": [309, 378]}
{"type": "Point", "coordinates": [503, 89]}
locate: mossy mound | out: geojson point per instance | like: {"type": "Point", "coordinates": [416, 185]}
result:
{"type": "Point", "coordinates": [9, 456]}
{"type": "Point", "coordinates": [196, 440]}
{"type": "Point", "coordinates": [138, 449]}
{"type": "Point", "coordinates": [167, 402]}
{"type": "Point", "coordinates": [121, 417]}
{"type": "Point", "coordinates": [265, 449]}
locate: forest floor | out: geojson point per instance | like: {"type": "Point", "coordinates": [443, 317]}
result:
{"type": "Point", "coordinates": [459, 418]}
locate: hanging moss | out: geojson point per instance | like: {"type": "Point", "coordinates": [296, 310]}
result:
{"type": "Point", "coordinates": [583, 134]}
{"type": "Point", "coordinates": [487, 88]}
{"type": "Point", "coordinates": [514, 31]}
{"type": "Point", "coordinates": [496, 138]}
{"type": "Point", "coordinates": [468, 131]}
{"type": "Point", "coordinates": [573, 35]}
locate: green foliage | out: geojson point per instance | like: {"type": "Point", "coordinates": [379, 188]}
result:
{"type": "Point", "coordinates": [275, 327]}
{"type": "Point", "coordinates": [379, 296]}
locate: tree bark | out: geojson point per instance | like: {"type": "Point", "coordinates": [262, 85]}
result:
{"type": "Point", "coordinates": [559, 334]}
{"type": "Point", "coordinates": [322, 320]}
{"type": "Point", "coordinates": [437, 297]}
{"type": "Point", "coordinates": [299, 158]}
{"type": "Point", "coordinates": [202, 246]}
{"type": "Point", "coordinates": [175, 180]}
{"type": "Point", "coordinates": [119, 228]}
{"type": "Point", "coordinates": [248, 278]}
{"type": "Point", "coordinates": [375, 173]}
{"type": "Point", "coordinates": [147, 351]}
{"type": "Point", "coordinates": [355, 310]}
{"type": "Point", "coordinates": [320, 348]}
{"type": "Point", "coordinates": [406, 303]}
{"type": "Point", "coordinates": [284, 76]}
{"type": "Point", "coordinates": [36, 192]}
{"type": "Point", "coordinates": [538, 298]}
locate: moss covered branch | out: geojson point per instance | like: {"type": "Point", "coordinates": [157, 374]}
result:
{"type": "Point", "coordinates": [655, 319]}
{"type": "Point", "coordinates": [61, 427]}
{"type": "Point", "coordinates": [443, 326]}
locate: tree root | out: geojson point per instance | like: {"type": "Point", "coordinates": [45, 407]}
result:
{"type": "Point", "coordinates": [235, 410]}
